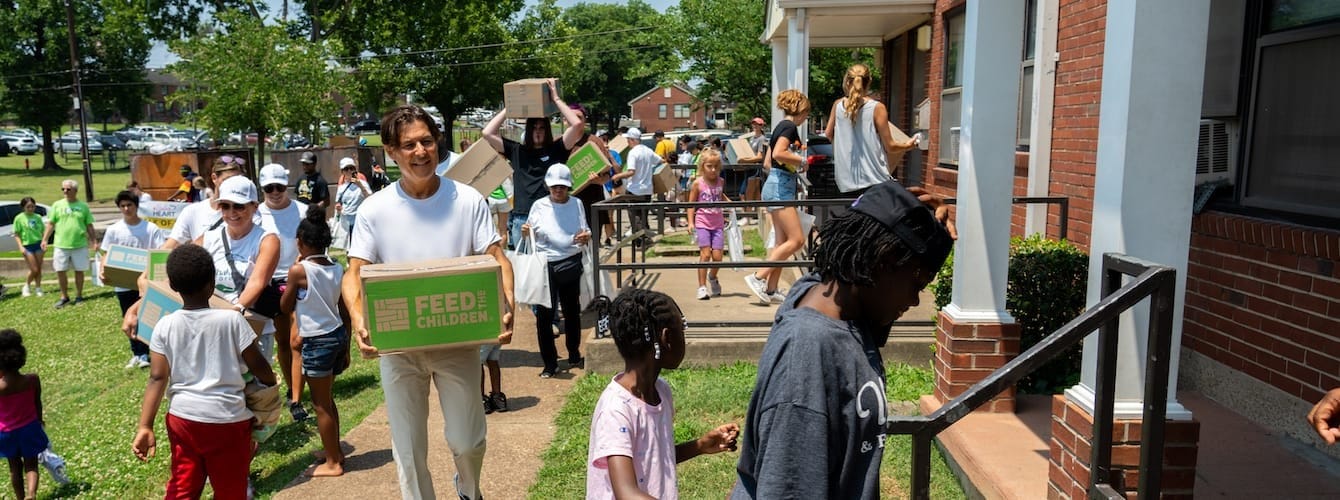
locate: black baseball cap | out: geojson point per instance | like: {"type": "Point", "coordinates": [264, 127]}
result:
{"type": "Point", "coordinates": [308, 157]}
{"type": "Point", "coordinates": [912, 222]}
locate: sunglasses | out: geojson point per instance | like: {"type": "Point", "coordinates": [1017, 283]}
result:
{"type": "Point", "coordinates": [233, 160]}
{"type": "Point", "coordinates": [275, 188]}
{"type": "Point", "coordinates": [225, 206]}
{"type": "Point", "coordinates": [66, 190]}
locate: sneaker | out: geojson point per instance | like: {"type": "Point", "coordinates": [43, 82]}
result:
{"type": "Point", "coordinates": [702, 293]}
{"type": "Point", "coordinates": [134, 362]}
{"type": "Point", "coordinates": [77, 301]}
{"type": "Point", "coordinates": [777, 297]}
{"type": "Point", "coordinates": [547, 373]}
{"type": "Point", "coordinates": [142, 361]}
{"type": "Point", "coordinates": [488, 405]}
{"type": "Point", "coordinates": [499, 401]}
{"type": "Point", "coordinates": [26, 291]}
{"type": "Point", "coordinates": [62, 302]}
{"type": "Point", "coordinates": [758, 286]}
{"type": "Point", "coordinates": [715, 286]}
{"type": "Point", "coordinates": [38, 291]}
{"type": "Point", "coordinates": [579, 363]}
{"type": "Point", "coordinates": [296, 410]}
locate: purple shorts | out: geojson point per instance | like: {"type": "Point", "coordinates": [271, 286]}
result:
{"type": "Point", "coordinates": [715, 238]}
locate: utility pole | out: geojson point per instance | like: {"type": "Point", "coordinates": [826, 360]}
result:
{"type": "Point", "coordinates": [79, 103]}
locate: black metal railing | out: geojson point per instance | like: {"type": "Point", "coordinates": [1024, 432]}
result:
{"type": "Point", "coordinates": [1060, 201]}
{"type": "Point", "coordinates": [1158, 283]}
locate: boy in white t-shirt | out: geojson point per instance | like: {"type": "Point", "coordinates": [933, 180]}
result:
{"type": "Point", "coordinates": [130, 231]}
{"type": "Point", "coordinates": [198, 357]}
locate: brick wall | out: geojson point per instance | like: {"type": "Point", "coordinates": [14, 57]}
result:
{"type": "Point", "coordinates": [647, 109]}
{"type": "Point", "coordinates": [1263, 298]}
{"type": "Point", "coordinates": [1070, 464]}
{"type": "Point", "coordinates": [941, 181]}
{"type": "Point", "coordinates": [1081, 28]}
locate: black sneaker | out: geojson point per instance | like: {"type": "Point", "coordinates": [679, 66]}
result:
{"type": "Point", "coordinates": [488, 405]}
{"type": "Point", "coordinates": [62, 302]}
{"type": "Point", "coordinates": [77, 301]}
{"type": "Point", "coordinates": [499, 401]}
{"type": "Point", "coordinates": [577, 363]}
{"type": "Point", "coordinates": [296, 410]}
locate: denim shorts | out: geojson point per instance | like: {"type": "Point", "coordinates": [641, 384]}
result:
{"type": "Point", "coordinates": [780, 186]}
{"type": "Point", "coordinates": [321, 354]}
{"type": "Point", "coordinates": [34, 248]}
{"type": "Point", "coordinates": [489, 352]}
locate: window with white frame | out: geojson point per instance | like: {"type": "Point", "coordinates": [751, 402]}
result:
{"type": "Point", "coordinates": [951, 97]}
{"type": "Point", "coordinates": [681, 111]}
{"type": "Point", "coordinates": [1026, 75]}
{"type": "Point", "coordinates": [660, 111]}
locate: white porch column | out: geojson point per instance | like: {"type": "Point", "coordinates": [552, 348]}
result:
{"type": "Point", "coordinates": [780, 68]}
{"type": "Point", "coordinates": [798, 55]}
{"type": "Point", "coordinates": [1147, 135]}
{"type": "Point", "coordinates": [991, 47]}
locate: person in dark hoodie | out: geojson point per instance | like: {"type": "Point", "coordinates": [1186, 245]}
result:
{"type": "Point", "coordinates": [815, 426]}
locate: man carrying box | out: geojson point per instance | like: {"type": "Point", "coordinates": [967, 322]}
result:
{"type": "Point", "coordinates": [423, 217]}
{"type": "Point", "coordinates": [130, 231]}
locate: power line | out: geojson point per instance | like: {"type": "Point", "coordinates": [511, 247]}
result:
{"type": "Point", "coordinates": [494, 45]}
{"type": "Point", "coordinates": [529, 58]}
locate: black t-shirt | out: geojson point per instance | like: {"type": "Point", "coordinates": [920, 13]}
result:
{"type": "Point", "coordinates": [788, 130]}
{"type": "Point", "coordinates": [313, 189]}
{"type": "Point", "coordinates": [194, 194]}
{"type": "Point", "coordinates": [528, 168]}
{"type": "Point", "coordinates": [378, 181]}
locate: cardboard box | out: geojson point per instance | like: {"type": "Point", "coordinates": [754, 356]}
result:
{"type": "Point", "coordinates": [664, 179]}
{"type": "Point", "coordinates": [740, 148]}
{"type": "Point", "coordinates": [157, 269]}
{"type": "Point", "coordinates": [481, 167]}
{"type": "Point", "coordinates": [124, 266]}
{"type": "Point", "coordinates": [433, 304]}
{"type": "Point", "coordinates": [160, 300]}
{"type": "Point", "coordinates": [529, 98]}
{"type": "Point", "coordinates": [898, 137]}
{"type": "Point", "coordinates": [586, 163]}
{"type": "Point", "coordinates": [619, 143]}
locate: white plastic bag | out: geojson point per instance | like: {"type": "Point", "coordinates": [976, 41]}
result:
{"type": "Point", "coordinates": [95, 266]}
{"type": "Point", "coordinates": [589, 278]}
{"type": "Point", "coordinates": [531, 273]}
{"type": "Point", "coordinates": [55, 465]}
{"type": "Point", "coordinates": [806, 224]}
{"type": "Point", "coordinates": [339, 235]}
{"type": "Point", "coordinates": [734, 239]}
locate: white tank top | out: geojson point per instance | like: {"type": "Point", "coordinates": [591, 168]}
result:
{"type": "Point", "coordinates": [244, 252]}
{"type": "Point", "coordinates": [858, 157]}
{"type": "Point", "coordinates": [318, 305]}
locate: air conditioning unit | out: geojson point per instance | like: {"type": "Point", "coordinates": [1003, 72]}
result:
{"type": "Point", "coordinates": [1216, 150]}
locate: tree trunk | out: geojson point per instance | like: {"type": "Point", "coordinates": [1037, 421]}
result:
{"type": "Point", "coordinates": [260, 156]}
{"type": "Point", "coordinates": [48, 152]}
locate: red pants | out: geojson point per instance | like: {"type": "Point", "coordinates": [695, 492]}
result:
{"type": "Point", "coordinates": [221, 452]}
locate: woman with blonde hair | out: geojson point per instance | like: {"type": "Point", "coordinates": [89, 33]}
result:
{"type": "Point", "coordinates": [864, 150]}
{"type": "Point", "coordinates": [784, 164]}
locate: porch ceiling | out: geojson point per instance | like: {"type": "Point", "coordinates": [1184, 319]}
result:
{"type": "Point", "coordinates": [848, 23]}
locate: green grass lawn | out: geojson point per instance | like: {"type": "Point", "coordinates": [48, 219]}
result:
{"type": "Point", "coordinates": [704, 399]}
{"type": "Point", "coordinates": [749, 234]}
{"type": "Point", "coordinates": [44, 185]}
{"type": "Point", "coordinates": [91, 404]}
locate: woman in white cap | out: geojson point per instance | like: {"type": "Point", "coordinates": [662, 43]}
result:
{"type": "Point", "coordinates": [559, 225]}
{"type": "Point", "coordinates": [281, 215]}
{"type": "Point", "coordinates": [245, 254]}
{"type": "Point", "coordinates": [351, 194]}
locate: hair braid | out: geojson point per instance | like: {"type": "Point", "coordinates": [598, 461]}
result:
{"type": "Point", "coordinates": [635, 319]}
{"type": "Point", "coordinates": [855, 84]}
{"type": "Point", "coordinates": [853, 246]}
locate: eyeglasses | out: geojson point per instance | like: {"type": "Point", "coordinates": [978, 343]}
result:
{"type": "Point", "coordinates": [225, 206]}
{"type": "Point", "coordinates": [275, 188]}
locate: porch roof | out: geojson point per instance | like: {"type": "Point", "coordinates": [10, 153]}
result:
{"type": "Point", "coordinates": [848, 23]}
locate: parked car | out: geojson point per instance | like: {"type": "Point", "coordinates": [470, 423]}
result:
{"type": "Point", "coordinates": [21, 145]}
{"type": "Point", "coordinates": [8, 210]}
{"type": "Point", "coordinates": [112, 142]}
{"type": "Point", "coordinates": [185, 139]}
{"type": "Point", "coordinates": [69, 144]}
{"type": "Point", "coordinates": [366, 126]}
{"type": "Point", "coordinates": [819, 172]}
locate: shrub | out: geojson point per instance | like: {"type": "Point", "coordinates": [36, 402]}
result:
{"type": "Point", "coordinates": [1046, 289]}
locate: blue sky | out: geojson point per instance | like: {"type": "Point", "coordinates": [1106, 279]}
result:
{"type": "Point", "coordinates": [159, 55]}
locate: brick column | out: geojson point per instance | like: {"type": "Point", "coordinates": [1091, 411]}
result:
{"type": "Point", "coordinates": [966, 353]}
{"type": "Point", "coordinates": [1071, 448]}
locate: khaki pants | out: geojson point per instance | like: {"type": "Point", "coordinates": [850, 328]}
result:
{"type": "Point", "coordinates": [455, 374]}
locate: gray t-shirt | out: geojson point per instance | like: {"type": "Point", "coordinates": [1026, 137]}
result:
{"type": "Point", "coordinates": [815, 427]}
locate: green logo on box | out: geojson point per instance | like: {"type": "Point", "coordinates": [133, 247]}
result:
{"type": "Point", "coordinates": [428, 311]}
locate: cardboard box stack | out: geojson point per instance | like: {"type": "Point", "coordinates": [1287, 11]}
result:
{"type": "Point", "coordinates": [529, 98]}
{"type": "Point", "coordinates": [433, 304]}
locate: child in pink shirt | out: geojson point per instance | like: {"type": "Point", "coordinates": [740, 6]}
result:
{"type": "Point", "coordinates": [708, 223]}
{"type": "Point", "coordinates": [632, 448]}
{"type": "Point", "coordinates": [22, 437]}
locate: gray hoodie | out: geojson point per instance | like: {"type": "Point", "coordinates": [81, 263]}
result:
{"type": "Point", "coordinates": [815, 427]}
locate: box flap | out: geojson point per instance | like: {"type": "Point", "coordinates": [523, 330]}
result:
{"type": "Point", "coordinates": [481, 168]}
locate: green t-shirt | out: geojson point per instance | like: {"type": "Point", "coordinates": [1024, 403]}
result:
{"type": "Point", "coordinates": [71, 221]}
{"type": "Point", "coordinates": [29, 228]}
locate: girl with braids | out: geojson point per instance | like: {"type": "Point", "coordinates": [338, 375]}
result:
{"type": "Point", "coordinates": [784, 167]}
{"type": "Point", "coordinates": [632, 452]}
{"type": "Point", "coordinates": [815, 426]}
{"type": "Point", "coordinates": [864, 150]}
{"type": "Point", "coordinates": [313, 296]}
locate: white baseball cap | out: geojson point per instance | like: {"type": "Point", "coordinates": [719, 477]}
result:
{"type": "Point", "coordinates": [274, 173]}
{"type": "Point", "coordinates": [558, 175]}
{"type": "Point", "coordinates": [237, 189]}
{"type": "Point", "coordinates": [634, 134]}
{"type": "Point", "coordinates": [347, 162]}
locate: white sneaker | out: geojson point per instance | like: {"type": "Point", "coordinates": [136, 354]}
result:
{"type": "Point", "coordinates": [134, 361]}
{"type": "Point", "coordinates": [777, 297]}
{"type": "Point", "coordinates": [702, 293]}
{"type": "Point", "coordinates": [757, 286]}
{"type": "Point", "coordinates": [142, 361]}
{"type": "Point", "coordinates": [716, 287]}
{"type": "Point", "coordinates": [38, 291]}
{"type": "Point", "coordinates": [26, 291]}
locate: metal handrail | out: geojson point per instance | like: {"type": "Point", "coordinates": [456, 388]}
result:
{"type": "Point", "coordinates": [1154, 281]}
{"type": "Point", "coordinates": [1060, 201]}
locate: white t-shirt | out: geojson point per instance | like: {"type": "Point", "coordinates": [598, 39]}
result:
{"type": "Point", "coordinates": [642, 161]}
{"type": "Point", "coordinates": [350, 197]}
{"type": "Point", "coordinates": [858, 155]}
{"type": "Point", "coordinates": [193, 220]}
{"type": "Point", "coordinates": [318, 305]}
{"type": "Point", "coordinates": [392, 227]}
{"type": "Point", "coordinates": [244, 252]}
{"type": "Point", "coordinates": [625, 425]}
{"type": "Point", "coordinates": [204, 348]}
{"type": "Point", "coordinates": [284, 223]}
{"type": "Point", "coordinates": [554, 225]}
{"type": "Point", "coordinates": [144, 197]}
{"type": "Point", "coordinates": [142, 235]}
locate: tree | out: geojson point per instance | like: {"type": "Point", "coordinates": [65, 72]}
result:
{"type": "Point", "coordinates": [621, 57]}
{"type": "Point", "coordinates": [256, 77]}
{"type": "Point", "coordinates": [718, 39]}
{"type": "Point", "coordinates": [828, 66]}
{"type": "Point", "coordinates": [35, 60]}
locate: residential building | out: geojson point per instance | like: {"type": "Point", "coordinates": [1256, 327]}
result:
{"type": "Point", "coordinates": [674, 107]}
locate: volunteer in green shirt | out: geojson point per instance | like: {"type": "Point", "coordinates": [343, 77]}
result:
{"type": "Point", "coordinates": [72, 223]}
{"type": "Point", "coordinates": [28, 228]}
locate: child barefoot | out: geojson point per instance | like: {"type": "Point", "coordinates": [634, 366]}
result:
{"type": "Point", "coordinates": [21, 433]}
{"type": "Point", "coordinates": [708, 223]}
{"type": "Point", "coordinates": [314, 294]}
{"type": "Point", "coordinates": [198, 355]}
{"type": "Point", "coordinates": [632, 451]}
